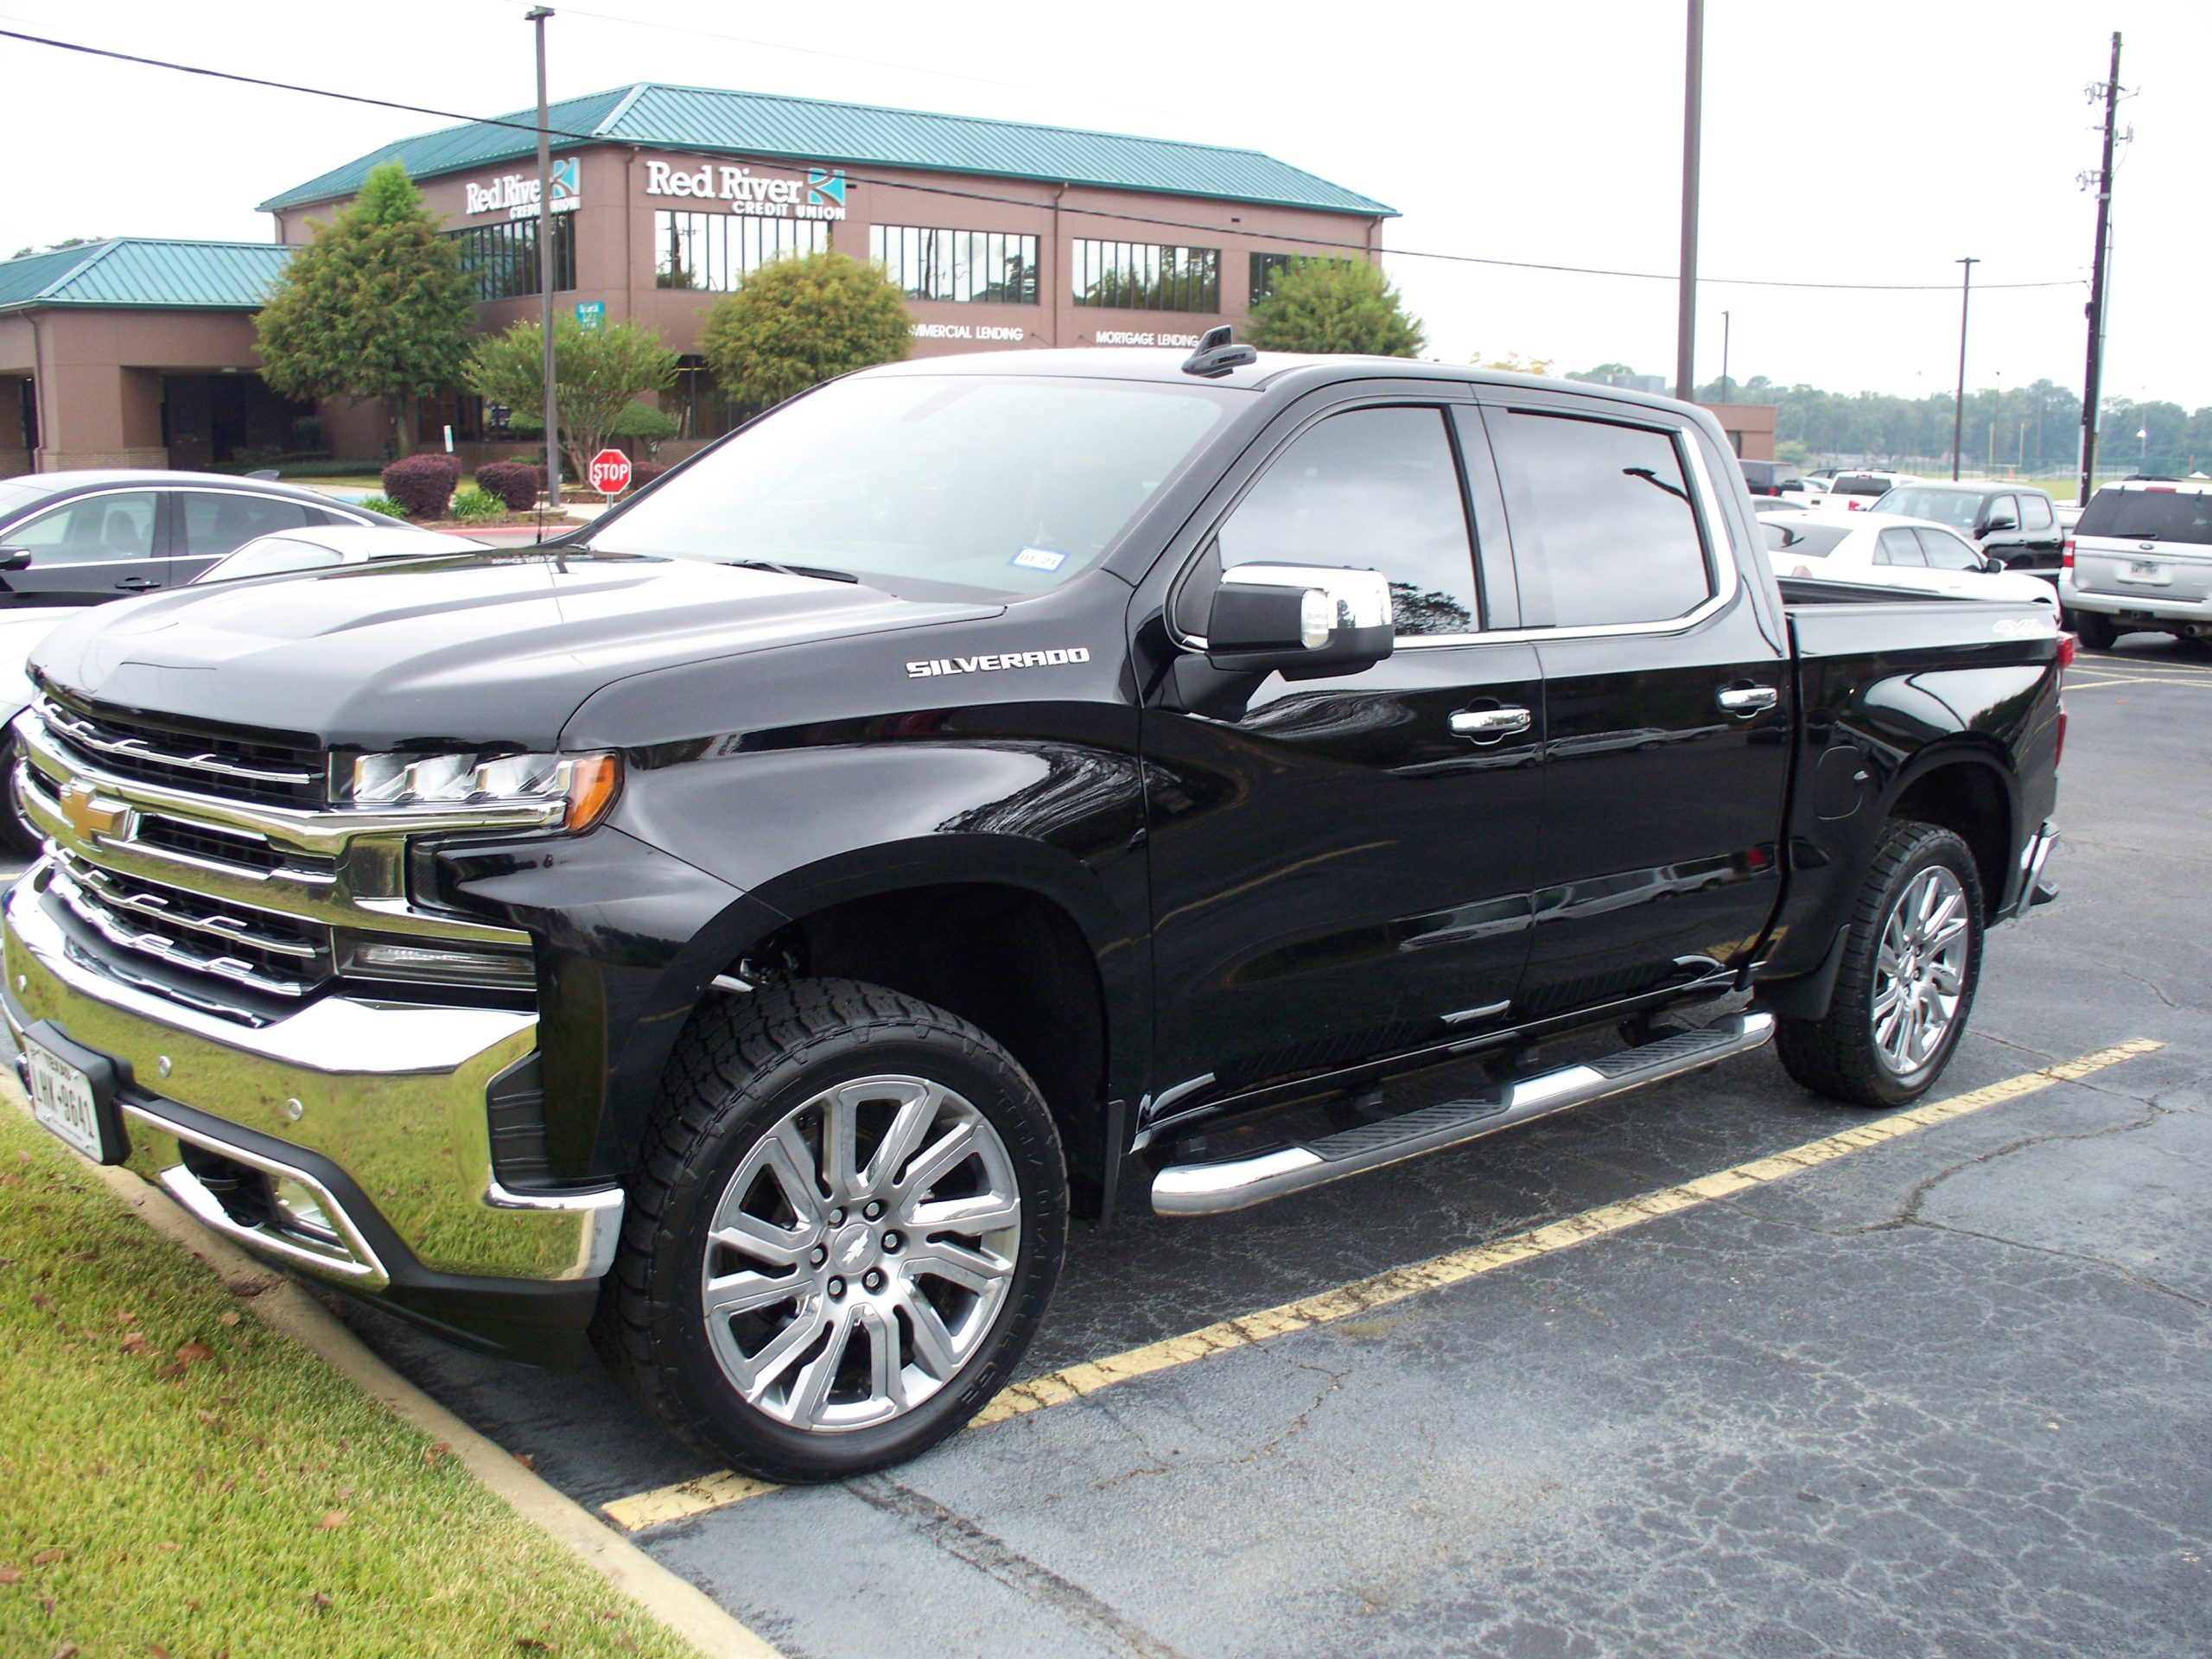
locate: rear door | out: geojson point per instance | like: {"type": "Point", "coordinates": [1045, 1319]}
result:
{"type": "Point", "coordinates": [1340, 871]}
{"type": "Point", "coordinates": [103, 545]}
{"type": "Point", "coordinates": [1666, 704]}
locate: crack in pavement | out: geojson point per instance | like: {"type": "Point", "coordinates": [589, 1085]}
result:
{"type": "Point", "coordinates": [1908, 1212]}
{"type": "Point", "coordinates": [2150, 986]}
{"type": "Point", "coordinates": [1297, 1424]}
{"type": "Point", "coordinates": [964, 1539]}
{"type": "Point", "coordinates": [2120, 1267]}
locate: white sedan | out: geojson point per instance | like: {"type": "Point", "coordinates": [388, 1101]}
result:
{"type": "Point", "coordinates": [1882, 550]}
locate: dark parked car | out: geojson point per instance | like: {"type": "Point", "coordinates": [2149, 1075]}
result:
{"type": "Point", "coordinates": [2016, 522]}
{"type": "Point", "coordinates": [77, 538]}
{"type": "Point", "coordinates": [1772, 477]}
{"type": "Point", "coordinates": [982, 792]}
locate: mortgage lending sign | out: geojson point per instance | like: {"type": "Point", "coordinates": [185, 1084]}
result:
{"type": "Point", "coordinates": [819, 194]}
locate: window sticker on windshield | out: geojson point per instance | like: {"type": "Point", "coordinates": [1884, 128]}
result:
{"type": "Point", "coordinates": [1038, 558]}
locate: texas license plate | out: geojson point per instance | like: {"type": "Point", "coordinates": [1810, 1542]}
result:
{"type": "Point", "coordinates": [61, 1098]}
{"type": "Point", "coordinates": [2145, 570]}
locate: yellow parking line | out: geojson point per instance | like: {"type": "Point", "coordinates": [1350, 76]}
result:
{"type": "Point", "coordinates": [718, 1491]}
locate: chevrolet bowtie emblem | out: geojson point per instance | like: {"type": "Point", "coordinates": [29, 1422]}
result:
{"type": "Point", "coordinates": [88, 814]}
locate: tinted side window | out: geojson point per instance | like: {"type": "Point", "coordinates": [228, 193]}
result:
{"type": "Point", "coordinates": [1601, 516]}
{"type": "Point", "coordinates": [1898, 547]}
{"type": "Point", "coordinates": [117, 526]}
{"type": "Point", "coordinates": [2005, 506]}
{"type": "Point", "coordinates": [1374, 489]}
{"type": "Point", "coordinates": [215, 521]}
{"type": "Point", "coordinates": [1945, 551]}
{"type": "Point", "coordinates": [2035, 509]}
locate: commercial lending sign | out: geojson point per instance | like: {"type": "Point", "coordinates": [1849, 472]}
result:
{"type": "Point", "coordinates": [820, 195]}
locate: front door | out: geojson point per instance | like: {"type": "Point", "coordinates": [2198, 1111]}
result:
{"type": "Point", "coordinates": [1667, 705]}
{"type": "Point", "coordinates": [1339, 870]}
{"type": "Point", "coordinates": [87, 548]}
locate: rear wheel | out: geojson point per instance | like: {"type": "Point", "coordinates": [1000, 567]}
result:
{"type": "Point", "coordinates": [1912, 959]}
{"type": "Point", "coordinates": [849, 1218]}
{"type": "Point", "coordinates": [2094, 629]}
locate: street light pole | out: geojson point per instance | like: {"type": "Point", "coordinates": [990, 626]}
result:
{"type": "Point", "coordinates": [537, 16]}
{"type": "Point", "coordinates": [1959, 408]}
{"type": "Point", "coordinates": [2090, 389]}
{"type": "Point", "coordinates": [1686, 309]}
{"type": "Point", "coordinates": [1724, 357]}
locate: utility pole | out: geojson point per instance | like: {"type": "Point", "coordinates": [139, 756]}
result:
{"type": "Point", "coordinates": [2097, 308]}
{"type": "Point", "coordinates": [1686, 310]}
{"type": "Point", "coordinates": [1959, 408]}
{"type": "Point", "coordinates": [1724, 357]}
{"type": "Point", "coordinates": [537, 16]}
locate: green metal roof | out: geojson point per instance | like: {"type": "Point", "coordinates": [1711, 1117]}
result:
{"type": "Point", "coordinates": [699, 118]}
{"type": "Point", "coordinates": [144, 272]}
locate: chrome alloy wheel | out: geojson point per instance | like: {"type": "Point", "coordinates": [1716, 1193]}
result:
{"type": "Point", "coordinates": [1920, 970]}
{"type": "Point", "coordinates": [860, 1254]}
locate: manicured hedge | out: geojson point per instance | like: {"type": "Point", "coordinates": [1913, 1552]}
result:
{"type": "Point", "coordinates": [514, 482]}
{"type": "Point", "coordinates": [422, 484]}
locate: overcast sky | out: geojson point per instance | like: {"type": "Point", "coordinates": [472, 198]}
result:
{"type": "Point", "coordinates": [1867, 143]}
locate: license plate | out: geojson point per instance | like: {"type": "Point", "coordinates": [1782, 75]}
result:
{"type": "Point", "coordinates": [2145, 570]}
{"type": "Point", "coordinates": [61, 1098]}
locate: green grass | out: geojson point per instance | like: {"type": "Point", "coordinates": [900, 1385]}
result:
{"type": "Point", "coordinates": [176, 1479]}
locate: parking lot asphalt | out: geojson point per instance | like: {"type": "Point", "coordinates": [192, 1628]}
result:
{"type": "Point", "coordinates": [1950, 1392]}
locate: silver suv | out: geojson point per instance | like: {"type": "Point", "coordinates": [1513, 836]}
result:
{"type": "Point", "coordinates": [2140, 560]}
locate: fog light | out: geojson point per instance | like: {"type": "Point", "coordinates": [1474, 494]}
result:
{"type": "Point", "coordinates": [440, 965]}
{"type": "Point", "coordinates": [298, 1209]}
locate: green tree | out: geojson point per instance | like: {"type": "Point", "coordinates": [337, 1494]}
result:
{"type": "Point", "coordinates": [1335, 305]}
{"type": "Point", "coordinates": [376, 306]}
{"type": "Point", "coordinates": [596, 373]}
{"type": "Point", "coordinates": [795, 322]}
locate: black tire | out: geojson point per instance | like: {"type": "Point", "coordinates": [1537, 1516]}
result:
{"type": "Point", "coordinates": [2094, 629]}
{"type": "Point", "coordinates": [743, 1066]}
{"type": "Point", "coordinates": [17, 835]}
{"type": "Point", "coordinates": [1839, 1055]}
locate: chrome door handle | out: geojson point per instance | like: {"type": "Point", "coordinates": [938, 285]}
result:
{"type": "Point", "coordinates": [1487, 725]}
{"type": "Point", "coordinates": [1749, 699]}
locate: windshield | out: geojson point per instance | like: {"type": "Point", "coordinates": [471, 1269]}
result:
{"type": "Point", "coordinates": [1859, 484]}
{"type": "Point", "coordinates": [1956, 508]}
{"type": "Point", "coordinates": [2149, 515]}
{"type": "Point", "coordinates": [1007, 485]}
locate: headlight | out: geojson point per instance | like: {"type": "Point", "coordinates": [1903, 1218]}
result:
{"type": "Point", "coordinates": [586, 783]}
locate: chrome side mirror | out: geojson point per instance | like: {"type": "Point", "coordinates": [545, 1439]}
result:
{"type": "Point", "coordinates": [1299, 619]}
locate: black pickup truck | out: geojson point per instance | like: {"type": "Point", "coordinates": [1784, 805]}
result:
{"type": "Point", "coordinates": [982, 792]}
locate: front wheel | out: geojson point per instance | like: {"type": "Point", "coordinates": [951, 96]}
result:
{"type": "Point", "coordinates": [1912, 959]}
{"type": "Point", "coordinates": [849, 1218]}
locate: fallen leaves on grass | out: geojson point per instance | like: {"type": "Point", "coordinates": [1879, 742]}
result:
{"type": "Point", "coordinates": [46, 1558]}
{"type": "Point", "coordinates": [230, 1315]}
{"type": "Point", "coordinates": [432, 1453]}
{"type": "Point", "coordinates": [193, 1352]}
{"type": "Point", "coordinates": [14, 1574]}
{"type": "Point", "coordinates": [332, 1520]}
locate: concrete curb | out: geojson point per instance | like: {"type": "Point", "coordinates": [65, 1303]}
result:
{"type": "Point", "coordinates": [284, 1305]}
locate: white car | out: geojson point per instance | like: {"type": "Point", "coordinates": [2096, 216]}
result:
{"type": "Point", "coordinates": [1882, 550]}
{"type": "Point", "coordinates": [311, 547]}
{"type": "Point", "coordinates": [2139, 559]}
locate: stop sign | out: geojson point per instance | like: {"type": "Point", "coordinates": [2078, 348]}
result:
{"type": "Point", "coordinates": [610, 472]}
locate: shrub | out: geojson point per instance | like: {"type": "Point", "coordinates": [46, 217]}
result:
{"type": "Point", "coordinates": [476, 502]}
{"type": "Point", "coordinates": [641, 420]}
{"type": "Point", "coordinates": [383, 504]}
{"type": "Point", "coordinates": [422, 484]}
{"type": "Point", "coordinates": [514, 482]}
{"type": "Point", "coordinates": [307, 433]}
{"type": "Point", "coordinates": [643, 473]}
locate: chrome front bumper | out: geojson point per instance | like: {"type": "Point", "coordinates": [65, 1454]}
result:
{"type": "Point", "coordinates": [389, 1095]}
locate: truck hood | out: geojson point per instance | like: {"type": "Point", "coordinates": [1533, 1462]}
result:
{"type": "Point", "coordinates": [496, 647]}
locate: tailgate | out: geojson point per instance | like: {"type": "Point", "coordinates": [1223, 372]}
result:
{"type": "Point", "coordinates": [2145, 570]}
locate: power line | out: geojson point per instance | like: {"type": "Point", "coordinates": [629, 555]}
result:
{"type": "Point", "coordinates": [531, 127]}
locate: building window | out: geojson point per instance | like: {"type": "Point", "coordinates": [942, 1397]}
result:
{"type": "Point", "coordinates": [1144, 277]}
{"type": "Point", "coordinates": [712, 252]}
{"type": "Point", "coordinates": [1266, 267]}
{"type": "Point", "coordinates": [502, 259]}
{"type": "Point", "coordinates": [984, 266]}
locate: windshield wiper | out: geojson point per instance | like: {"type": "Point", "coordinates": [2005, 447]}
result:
{"type": "Point", "coordinates": [820, 573]}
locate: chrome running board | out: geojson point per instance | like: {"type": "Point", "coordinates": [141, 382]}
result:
{"type": "Point", "coordinates": [1212, 1189]}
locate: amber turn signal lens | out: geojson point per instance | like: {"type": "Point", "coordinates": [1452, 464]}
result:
{"type": "Point", "coordinates": [594, 782]}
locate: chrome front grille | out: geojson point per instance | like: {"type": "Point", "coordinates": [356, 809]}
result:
{"type": "Point", "coordinates": [186, 932]}
{"type": "Point", "coordinates": [228, 763]}
{"type": "Point", "coordinates": [165, 878]}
